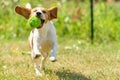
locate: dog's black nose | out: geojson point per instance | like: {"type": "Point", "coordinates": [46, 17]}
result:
{"type": "Point", "coordinates": [38, 13]}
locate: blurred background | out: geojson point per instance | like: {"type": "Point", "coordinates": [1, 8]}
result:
{"type": "Point", "coordinates": [77, 59]}
{"type": "Point", "coordinates": [73, 19]}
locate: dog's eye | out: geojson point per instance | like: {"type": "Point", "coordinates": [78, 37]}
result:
{"type": "Point", "coordinates": [44, 11]}
{"type": "Point", "coordinates": [34, 10]}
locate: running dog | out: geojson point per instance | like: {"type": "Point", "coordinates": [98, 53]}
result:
{"type": "Point", "coordinates": [42, 39]}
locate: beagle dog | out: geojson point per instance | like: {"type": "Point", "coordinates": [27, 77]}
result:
{"type": "Point", "coordinates": [42, 39]}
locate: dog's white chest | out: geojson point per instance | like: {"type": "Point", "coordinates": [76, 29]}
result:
{"type": "Point", "coordinates": [43, 38]}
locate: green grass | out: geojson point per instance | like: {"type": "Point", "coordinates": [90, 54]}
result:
{"type": "Point", "coordinates": [77, 60]}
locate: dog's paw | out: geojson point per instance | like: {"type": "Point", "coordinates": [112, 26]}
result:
{"type": "Point", "coordinates": [35, 56]}
{"type": "Point", "coordinates": [38, 73]}
{"type": "Point", "coordinates": [53, 59]}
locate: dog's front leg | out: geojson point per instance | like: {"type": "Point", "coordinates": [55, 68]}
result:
{"type": "Point", "coordinates": [35, 54]}
{"type": "Point", "coordinates": [36, 48]}
{"type": "Point", "coordinates": [53, 52]}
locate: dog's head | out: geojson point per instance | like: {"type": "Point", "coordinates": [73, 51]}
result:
{"type": "Point", "coordinates": [43, 14]}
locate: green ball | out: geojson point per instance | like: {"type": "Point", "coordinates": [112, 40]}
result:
{"type": "Point", "coordinates": [34, 21]}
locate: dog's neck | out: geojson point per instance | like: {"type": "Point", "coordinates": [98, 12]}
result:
{"type": "Point", "coordinates": [45, 26]}
{"type": "Point", "coordinates": [44, 30]}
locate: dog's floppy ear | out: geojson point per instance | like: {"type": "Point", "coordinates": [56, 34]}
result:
{"type": "Point", "coordinates": [25, 12]}
{"type": "Point", "coordinates": [52, 13]}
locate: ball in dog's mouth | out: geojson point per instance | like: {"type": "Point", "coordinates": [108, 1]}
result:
{"type": "Point", "coordinates": [36, 22]}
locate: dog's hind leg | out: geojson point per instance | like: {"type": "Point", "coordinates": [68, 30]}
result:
{"type": "Point", "coordinates": [43, 59]}
{"type": "Point", "coordinates": [37, 67]}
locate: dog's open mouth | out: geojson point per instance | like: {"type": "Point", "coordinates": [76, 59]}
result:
{"type": "Point", "coordinates": [42, 22]}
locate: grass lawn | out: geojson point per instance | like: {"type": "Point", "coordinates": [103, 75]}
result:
{"type": "Point", "coordinates": [77, 60]}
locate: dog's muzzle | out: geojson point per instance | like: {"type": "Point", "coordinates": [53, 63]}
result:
{"type": "Point", "coordinates": [39, 15]}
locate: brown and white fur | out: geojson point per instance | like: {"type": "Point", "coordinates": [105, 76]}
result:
{"type": "Point", "coordinates": [42, 39]}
